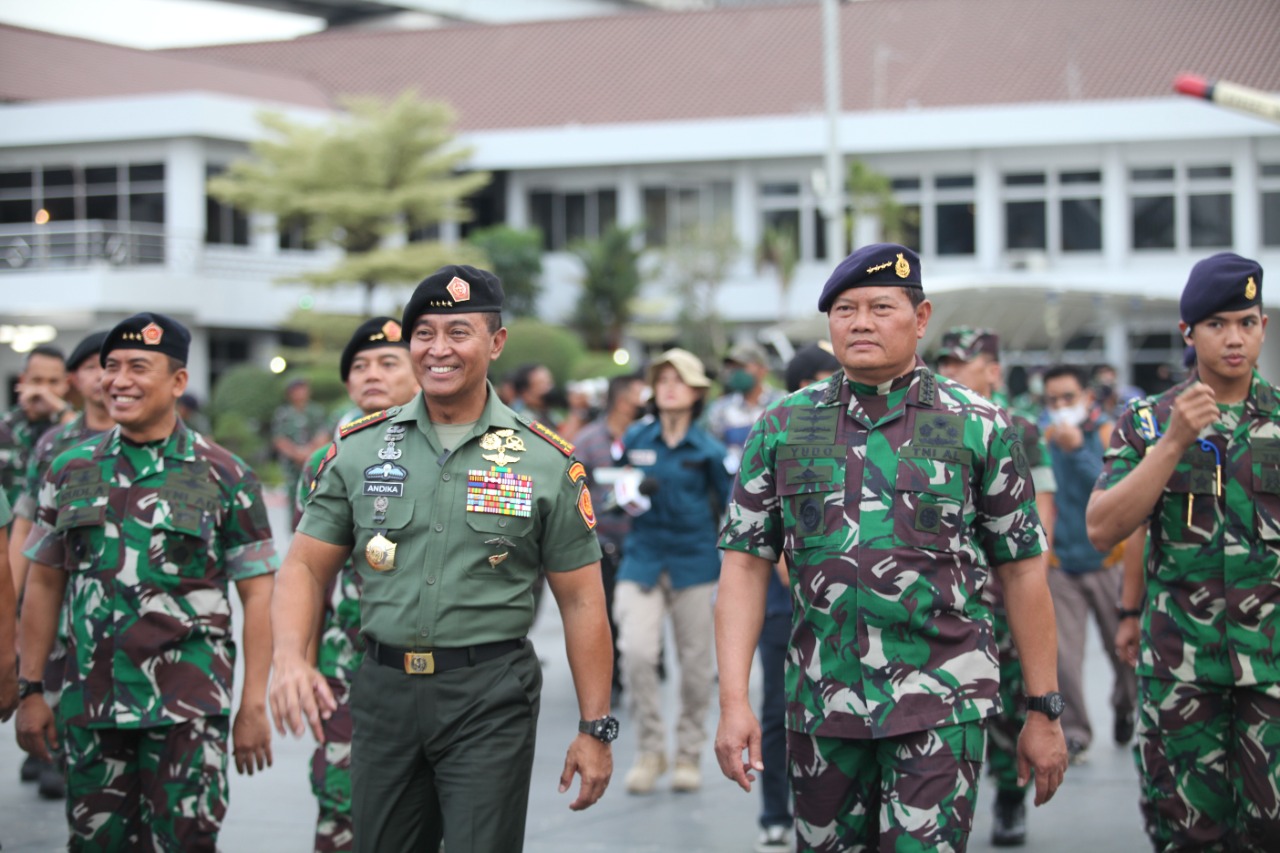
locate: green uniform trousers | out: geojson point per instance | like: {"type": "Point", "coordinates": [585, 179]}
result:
{"type": "Point", "coordinates": [445, 756]}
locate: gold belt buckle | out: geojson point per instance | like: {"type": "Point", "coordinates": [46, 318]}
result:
{"type": "Point", "coordinates": [419, 663]}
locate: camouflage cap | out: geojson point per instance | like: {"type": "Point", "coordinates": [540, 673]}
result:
{"type": "Point", "coordinates": [150, 332]}
{"type": "Point", "coordinates": [965, 343]}
{"type": "Point", "coordinates": [454, 289]}
{"type": "Point", "coordinates": [1222, 282]}
{"type": "Point", "coordinates": [877, 265]}
{"type": "Point", "coordinates": [371, 334]}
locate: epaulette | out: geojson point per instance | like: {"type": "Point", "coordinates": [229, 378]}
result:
{"type": "Point", "coordinates": [551, 437]}
{"type": "Point", "coordinates": [366, 421]}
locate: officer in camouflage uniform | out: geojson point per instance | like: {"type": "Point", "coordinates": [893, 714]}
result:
{"type": "Point", "coordinates": [972, 358]}
{"type": "Point", "coordinates": [42, 391]}
{"type": "Point", "coordinates": [1200, 464]}
{"type": "Point", "coordinates": [141, 530]}
{"type": "Point", "coordinates": [893, 495]}
{"type": "Point", "coordinates": [8, 633]}
{"type": "Point", "coordinates": [85, 374]}
{"type": "Point", "coordinates": [452, 505]}
{"type": "Point", "coordinates": [375, 368]}
{"type": "Point", "coordinates": [298, 428]}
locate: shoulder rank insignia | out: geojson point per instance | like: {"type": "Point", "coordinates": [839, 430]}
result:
{"type": "Point", "coordinates": [366, 421]}
{"type": "Point", "coordinates": [551, 437]}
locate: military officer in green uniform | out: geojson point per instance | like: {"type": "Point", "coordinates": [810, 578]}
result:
{"type": "Point", "coordinates": [972, 357]}
{"type": "Point", "coordinates": [138, 533]}
{"type": "Point", "coordinates": [450, 507]}
{"type": "Point", "coordinates": [1200, 465]}
{"type": "Point", "coordinates": [893, 495]}
{"type": "Point", "coordinates": [376, 369]}
{"type": "Point", "coordinates": [8, 619]}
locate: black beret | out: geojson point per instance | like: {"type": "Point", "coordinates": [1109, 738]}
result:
{"type": "Point", "coordinates": [808, 362]}
{"type": "Point", "coordinates": [150, 332]}
{"type": "Point", "coordinates": [371, 334]}
{"type": "Point", "coordinates": [454, 289]}
{"type": "Point", "coordinates": [965, 343]}
{"type": "Point", "coordinates": [877, 265]}
{"type": "Point", "coordinates": [90, 346]}
{"type": "Point", "coordinates": [1222, 282]}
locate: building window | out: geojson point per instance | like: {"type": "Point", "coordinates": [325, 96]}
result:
{"type": "Point", "coordinates": [1269, 183]}
{"type": "Point", "coordinates": [670, 210]}
{"type": "Point", "coordinates": [1025, 225]}
{"type": "Point", "coordinates": [565, 217]}
{"type": "Point", "coordinates": [223, 224]}
{"type": "Point", "coordinates": [953, 214]}
{"type": "Point", "coordinates": [788, 207]}
{"type": "Point", "coordinates": [1209, 206]}
{"type": "Point", "coordinates": [1180, 207]}
{"type": "Point", "coordinates": [293, 234]}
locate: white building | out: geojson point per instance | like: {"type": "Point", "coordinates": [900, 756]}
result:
{"type": "Point", "coordinates": [1063, 190]}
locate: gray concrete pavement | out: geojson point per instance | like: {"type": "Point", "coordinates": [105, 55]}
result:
{"type": "Point", "coordinates": [1096, 809]}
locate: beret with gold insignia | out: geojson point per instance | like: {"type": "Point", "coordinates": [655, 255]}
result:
{"type": "Point", "coordinates": [877, 265]}
{"type": "Point", "coordinates": [1221, 282]}
{"type": "Point", "coordinates": [454, 289]}
{"type": "Point", "coordinates": [149, 332]}
{"type": "Point", "coordinates": [371, 334]}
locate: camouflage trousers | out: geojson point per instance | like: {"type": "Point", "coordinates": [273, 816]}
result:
{"type": "Point", "coordinates": [1209, 760]}
{"type": "Point", "coordinates": [331, 775]}
{"type": "Point", "coordinates": [915, 792]}
{"type": "Point", "coordinates": [157, 789]}
{"type": "Point", "coordinates": [1004, 728]}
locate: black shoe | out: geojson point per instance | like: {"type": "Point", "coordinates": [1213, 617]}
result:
{"type": "Point", "coordinates": [1124, 729]}
{"type": "Point", "coordinates": [30, 770]}
{"type": "Point", "coordinates": [1010, 828]}
{"type": "Point", "coordinates": [52, 785]}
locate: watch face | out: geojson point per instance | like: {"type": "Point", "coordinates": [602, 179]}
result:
{"type": "Point", "coordinates": [1056, 705]}
{"type": "Point", "coordinates": [610, 730]}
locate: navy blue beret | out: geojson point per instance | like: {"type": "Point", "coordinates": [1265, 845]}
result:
{"type": "Point", "coordinates": [148, 331]}
{"type": "Point", "coordinates": [877, 265]}
{"type": "Point", "coordinates": [1222, 282]}
{"type": "Point", "coordinates": [454, 289]}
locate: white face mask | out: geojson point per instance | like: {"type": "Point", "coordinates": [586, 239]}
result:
{"type": "Point", "coordinates": [1070, 415]}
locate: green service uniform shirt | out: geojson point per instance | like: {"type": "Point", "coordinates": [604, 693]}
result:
{"type": "Point", "coordinates": [1213, 566]}
{"type": "Point", "coordinates": [150, 537]}
{"type": "Point", "coordinates": [471, 527]}
{"type": "Point", "coordinates": [891, 524]}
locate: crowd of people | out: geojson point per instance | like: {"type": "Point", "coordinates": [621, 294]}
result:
{"type": "Point", "coordinates": [913, 559]}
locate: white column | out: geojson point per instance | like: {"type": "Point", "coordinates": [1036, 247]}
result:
{"type": "Point", "coordinates": [1115, 210]}
{"type": "Point", "coordinates": [986, 213]}
{"type": "Point", "coordinates": [746, 212]}
{"type": "Point", "coordinates": [264, 235]}
{"type": "Point", "coordinates": [1115, 342]}
{"type": "Point", "coordinates": [184, 197]}
{"type": "Point", "coordinates": [630, 204]}
{"type": "Point", "coordinates": [1246, 201]}
{"type": "Point", "coordinates": [198, 363]}
{"type": "Point", "coordinates": [517, 209]}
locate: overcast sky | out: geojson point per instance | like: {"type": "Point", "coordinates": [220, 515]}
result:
{"type": "Point", "coordinates": [156, 23]}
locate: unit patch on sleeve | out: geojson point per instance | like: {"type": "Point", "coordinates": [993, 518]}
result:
{"type": "Point", "coordinates": [585, 509]}
{"type": "Point", "coordinates": [577, 472]}
{"type": "Point", "coordinates": [332, 452]}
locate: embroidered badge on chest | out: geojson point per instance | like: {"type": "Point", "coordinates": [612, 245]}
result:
{"type": "Point", "coordinates": [500, 492]}
{"type": "Point", "coordinates": [502, 441]}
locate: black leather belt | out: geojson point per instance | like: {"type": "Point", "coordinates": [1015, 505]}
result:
{"type": "Point", "coordinates": [435, 661]}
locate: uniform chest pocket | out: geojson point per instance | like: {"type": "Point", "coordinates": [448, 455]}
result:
{"type": "Point", "coordinates": [182, 540]}
{"type": "Point", "coordinates": [1266, 491]}
{"type": "Point", "coordinates": [811, 492]}
{"type": "Point", "coordinates": [929, 501]}
{"type": "Point", "coordinates": [1189, 506]}
{"type": "Point", "coordinates": [81, 529]}
{"type": "Point", "coordinates": [497, 524]}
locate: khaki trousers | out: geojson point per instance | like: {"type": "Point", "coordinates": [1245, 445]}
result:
{"type": "Point", "coordinates": [639, 613]}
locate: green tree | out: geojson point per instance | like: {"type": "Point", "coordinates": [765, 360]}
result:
{"type": "Point", "coordinates": [532, 341]}
{"type": "Point", "coordinates": [515, 256]}
{"type": "Point", "coordinates": [611, 280]}
{"type": "Point", "coordinates": [871, 194]}
{"type": "Point", "coordinates": [371, 176]}
{"type": "Point", "coordinates": [698, 261]}
{"type": "Point", "coordinates": [778, 251]}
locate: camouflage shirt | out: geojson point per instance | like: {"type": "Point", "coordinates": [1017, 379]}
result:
{"type": "Point", "coordinates": [50, 446]}
{"type": "Point", "coordinates": [150, 536]}
{"type": "Point", "coordinates": [18, 437]}
{"type": "Point", "coordinates": [340, 645]}
{"type": "Point", "coordinates": [1213, 568]}
{"type": "Point", "coordinates": [891, 525]}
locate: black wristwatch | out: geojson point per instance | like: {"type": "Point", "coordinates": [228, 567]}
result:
{"type": "Point", "coordinates": [1050, 704]}
{"type": "Point", "coordinates": [1128, 612]}
{"type": "Point", "coordinates": [27, 688]}
{"type": "Point", "coordinates": [604, 729]}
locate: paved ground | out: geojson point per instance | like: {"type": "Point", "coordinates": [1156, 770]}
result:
{"type": "Point", "coordinates": [273, 811]}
